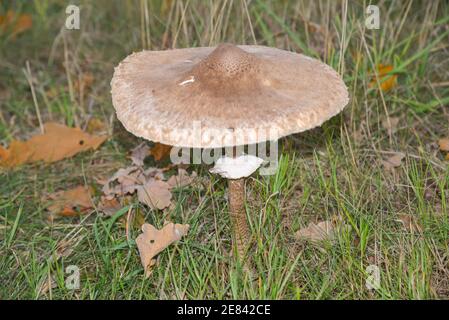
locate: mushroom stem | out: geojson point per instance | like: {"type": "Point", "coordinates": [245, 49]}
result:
{"type": "Point", "coordinates": [241, 233]}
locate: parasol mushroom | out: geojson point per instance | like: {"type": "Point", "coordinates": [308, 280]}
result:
{"type": "Point", "coordinates": [223, 97]}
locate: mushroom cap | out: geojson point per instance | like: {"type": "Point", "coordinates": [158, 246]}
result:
{"type": "Point", "coordinates": [213, 97]}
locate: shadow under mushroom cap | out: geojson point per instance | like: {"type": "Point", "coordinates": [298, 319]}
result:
{"type": "Point", "coordinates": [211, 97]}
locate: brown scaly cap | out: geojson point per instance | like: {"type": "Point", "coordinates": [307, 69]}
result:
{"type": "Point", "coordinates": [224, 96]}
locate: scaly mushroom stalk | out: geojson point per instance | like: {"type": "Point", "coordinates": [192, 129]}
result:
{"type": "Point", "coordinates": [236, 169]}
{"type": "Point", "coordinates": [237, 214]}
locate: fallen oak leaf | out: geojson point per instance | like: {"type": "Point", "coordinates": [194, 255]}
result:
{"type": "Point", "coordinates": [123, 173]}
{"type": "Point", "coordinates": [393, 161]}
{"type": "Point", "coordinates": [108, 206]}
{"type": "Point", "coordinates": [160, 151]}
{"type": "Point", "coordinates": [321, 231]}
{"type": "Point", "coordinates": [182, 179]}
{"type": "Point", "coordinates": [57, 143]}
{"type": "Point", "coordinates": [444, 144]}
{"type": "Point", "coordinates": [155, 173]}
{"type": "Point", "coordinates": [152, 241]}
{"type": "Point", "coordinates": [119, 190]}
{"type": "Point", "coordinates": [23, 23]}
{"type": "Point", "coordinates": [409, 223]}
{"type": "Point", "coordinates": [387, 81]}
{"type": "Point", "coordinates": [390, 124]}
{"type": "Point", "coordinates": [70, 203]}
{"type": "Point", "coordinates": [324, 230]}
{"type": "Point", "coordinates": [137, 174]}
{"type": "Point", "coordinates": [4, 153]}
{"type": "Point", "coordinates": [15, 23]}
{"type": "Point", "coordinates": [127, 180]}
{"type": "Point", "coordinates": [139, 153]}
{"type": "Point", "coordinates": [155, 194]}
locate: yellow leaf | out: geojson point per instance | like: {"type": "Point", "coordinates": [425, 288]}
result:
{"type": "Point", "coordinates": [23, 23]}
{"type": "Point", "coordinates": [58, 142]}
{"type": "Point", "coordinates": [387, 81]}
{"type": "Point", "coordinates": [15, 24]}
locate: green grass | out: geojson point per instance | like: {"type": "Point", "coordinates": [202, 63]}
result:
{"type": "Point", "coordinates": [333, 172]}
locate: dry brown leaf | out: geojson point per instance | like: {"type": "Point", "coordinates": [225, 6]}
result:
{"type": "Point", "coordinates": [57, 143]}
{"type": "Point", "coordinates": [393, 161]}
{"type": "Point", "coordinates": [409, 223]}
{"type": "Point", "coordinates": [125, 180]}
{"type": "Point", "coordinates": [152, 241]}
{"type": "Point", "coordinates": [6, 19]}
{"type": "Point", "coordinates": [387, 81]}
{"type": "Point", "coordinates": [124, 174]}
{"type": "Point", "coordinates": [390, 124]}
{"type": "Point", "coordinates": [131, 179]}
{"type": "Point", "coordinates": [109, 206]}
{"type": "Point", "coordinates": [323, 230]}
{"type": "Point", "coordinates": [15, 24]}
{"type": "Point", "coordinates": [154, 173]}
{"type": "Point", "coordinates": [155, 194]}
{"type": "Point", "coordinates": [443, 144]}
{"type": "Point", "coordinates": [182, 179]}
{"type": "Point", "coordinates": [160, 151]}
{"type": "Point", "coordinates": [139, 153]}
{"type": "Point", "coordinates": [70, 203]}
{"type": "Point", "coordinates": [23, 23]}
{"type": "Point", "coordinates": [4, 154]}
